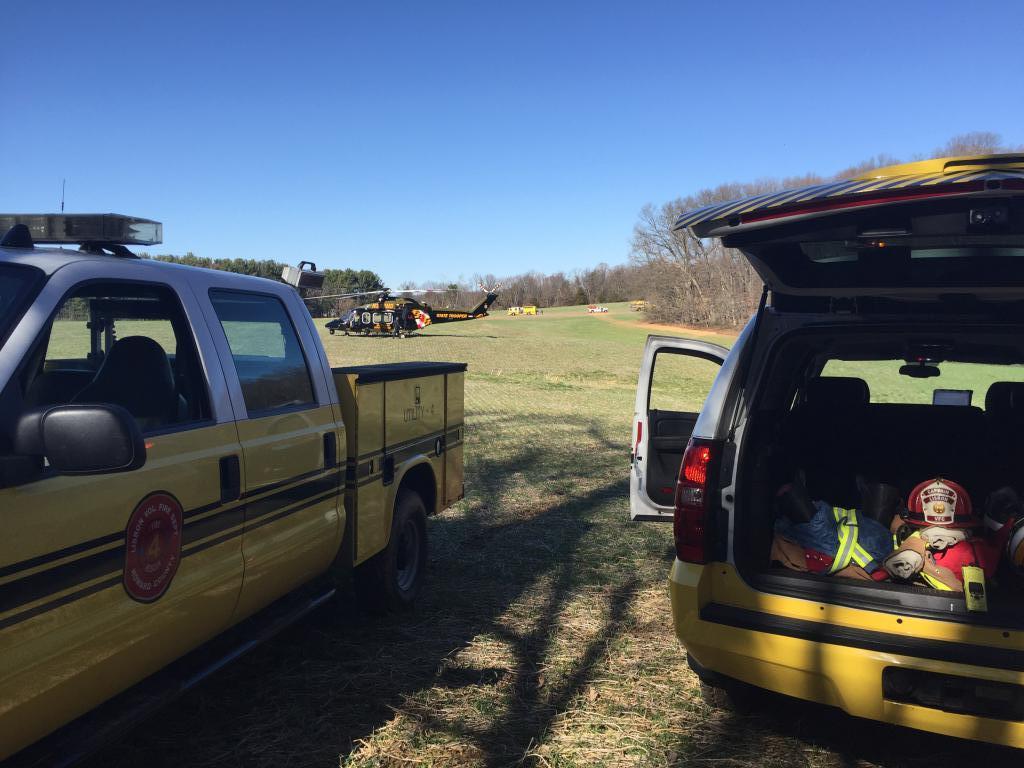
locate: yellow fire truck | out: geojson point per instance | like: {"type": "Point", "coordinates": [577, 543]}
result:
{"type": "Point", "coordinates": [525, 310]}
{"type": "Point", "coordinates": [176, 455]}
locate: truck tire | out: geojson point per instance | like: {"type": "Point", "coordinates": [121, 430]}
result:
{"type": "Point", "coordinates": [392, 579]}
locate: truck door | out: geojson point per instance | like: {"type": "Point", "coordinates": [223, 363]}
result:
{"type": "Point", "coordinates": [675, 377]}
{"type": "Point", "coordinates": [290, 442]}
{"type": "Point", "coordinates": [107, 577]}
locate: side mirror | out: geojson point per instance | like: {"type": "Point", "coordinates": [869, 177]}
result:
{"type": "Point", "coordinates": [81, 439]}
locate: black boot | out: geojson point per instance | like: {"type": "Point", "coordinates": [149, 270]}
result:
{"type": "Point", "coordinates": [792, 501]}
{"type": "Point", "coordinates": [879, 501]}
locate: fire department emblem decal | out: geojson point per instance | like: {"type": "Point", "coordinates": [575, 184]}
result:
{"type": "Point", "coordinates": [938, 502]}
{"type": "Point", "coordinates": [152, 547]}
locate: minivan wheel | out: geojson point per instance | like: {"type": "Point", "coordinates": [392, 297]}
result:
{"type": "Point", "coordinates": [392, 579]}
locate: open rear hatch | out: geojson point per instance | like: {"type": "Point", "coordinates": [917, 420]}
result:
{"type": "Point", "coordinates": [883, 257]}
{"type": "Point", "coordinates": [930, 228]}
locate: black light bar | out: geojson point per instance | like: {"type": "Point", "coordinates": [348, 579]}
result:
{"type": "Point", "coordinates": [80, 228]}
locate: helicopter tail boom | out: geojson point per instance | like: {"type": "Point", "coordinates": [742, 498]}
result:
{"type": "Point", "coordinates": [456, 315]}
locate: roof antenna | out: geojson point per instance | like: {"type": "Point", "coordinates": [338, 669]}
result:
{"type": "Point", "coordinates": [62, 183]}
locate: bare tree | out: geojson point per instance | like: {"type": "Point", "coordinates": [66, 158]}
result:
{"type": "Point", "coordinates": [973, 143]}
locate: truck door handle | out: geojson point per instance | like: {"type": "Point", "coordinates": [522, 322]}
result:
{"type": "Point", "coordinates": [230, 479]}
{"type": "Point", "coordinates": [330, 450]}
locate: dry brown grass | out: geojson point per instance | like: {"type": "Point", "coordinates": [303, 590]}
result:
{"type": "Point", "coordinates": [544, 638]}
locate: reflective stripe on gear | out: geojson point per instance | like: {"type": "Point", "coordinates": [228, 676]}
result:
{"type": "Point", "coordinates": [934, 583]}
{"type": "Point", "coordinates": [848, 550]}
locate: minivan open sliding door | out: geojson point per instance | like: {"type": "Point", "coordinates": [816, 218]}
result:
{"type": "Point", "coordinates": [675, 377]}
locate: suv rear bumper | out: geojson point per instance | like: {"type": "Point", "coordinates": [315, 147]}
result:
{"type": "Point", "coordinates": [777, 643]}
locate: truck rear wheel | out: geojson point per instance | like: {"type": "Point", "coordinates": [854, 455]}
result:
{"type": "Point", "coordinates": [392, 579]}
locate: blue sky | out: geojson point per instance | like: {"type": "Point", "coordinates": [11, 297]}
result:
{"type": "Point", "coordinates": [438, 140]}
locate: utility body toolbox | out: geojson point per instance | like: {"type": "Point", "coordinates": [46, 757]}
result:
{"type": "Point", "coordinates": [401, 418]}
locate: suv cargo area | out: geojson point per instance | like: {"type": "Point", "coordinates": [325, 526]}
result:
{"type": "Point", "coordinates": [833, 414]}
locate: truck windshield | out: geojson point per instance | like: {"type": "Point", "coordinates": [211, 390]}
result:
{"type": "Point", "coordinates": [17, 287]}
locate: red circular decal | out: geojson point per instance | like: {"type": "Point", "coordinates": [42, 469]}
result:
{"type": "Point", "coordinates": [152, 547]}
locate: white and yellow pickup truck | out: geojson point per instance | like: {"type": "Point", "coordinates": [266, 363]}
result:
{"type": "Point", "coordinates": [182, 473]}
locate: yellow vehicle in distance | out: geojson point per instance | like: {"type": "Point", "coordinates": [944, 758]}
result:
{"type": "Point", "coordinates": [178, 456]}
{"type": "Point", "coordinates": [640, 305]}
{"type": "Point", "coordinates": [529, 309]}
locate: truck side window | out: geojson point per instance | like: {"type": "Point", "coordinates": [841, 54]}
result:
{"type": "Point", "coordinates": [122, 344]}
{"type": "Point", "coordinates": [268, 357]}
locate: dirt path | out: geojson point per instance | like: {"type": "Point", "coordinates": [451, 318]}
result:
{"type": "Point", "coordinates": [674, 329]}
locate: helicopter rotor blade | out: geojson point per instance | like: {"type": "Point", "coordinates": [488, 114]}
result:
{"type": "Point", "coordinates": [383, 293]}
{"type": "Point", "coordinates": [333, 296]}
{"type": "Point", "coordinates": [346, 295]}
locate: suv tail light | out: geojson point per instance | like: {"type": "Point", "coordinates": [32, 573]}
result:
{"type": "Point", "coordinates": [692, 524]}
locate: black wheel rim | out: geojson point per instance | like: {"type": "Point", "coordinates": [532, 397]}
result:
{"type": "Point", "coordinates": [408, 560]}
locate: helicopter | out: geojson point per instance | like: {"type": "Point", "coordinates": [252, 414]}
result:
{"type": "Point", "coordinates": [393, 314]}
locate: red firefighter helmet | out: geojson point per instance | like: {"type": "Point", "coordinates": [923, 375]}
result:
{"type": "Point", "coordinates": [940, 502]}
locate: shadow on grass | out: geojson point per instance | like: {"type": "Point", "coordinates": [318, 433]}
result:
{"type": "Point", "coordinates": [338, 678]}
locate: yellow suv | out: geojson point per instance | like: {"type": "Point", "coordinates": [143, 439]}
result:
{"type": "Point", "coordinates": [887, 352]}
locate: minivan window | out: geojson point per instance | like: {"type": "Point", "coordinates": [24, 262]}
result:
{"type": "Point", "coordinates": [268, 357]}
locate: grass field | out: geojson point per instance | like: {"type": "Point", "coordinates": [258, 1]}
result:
{"type": "Point", "coordinates": [545, 635]}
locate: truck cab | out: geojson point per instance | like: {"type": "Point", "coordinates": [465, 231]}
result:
{"type": "Point", "coordinates": [885, 357]}
{"type": "Point", "coordinates": [176, 455]}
